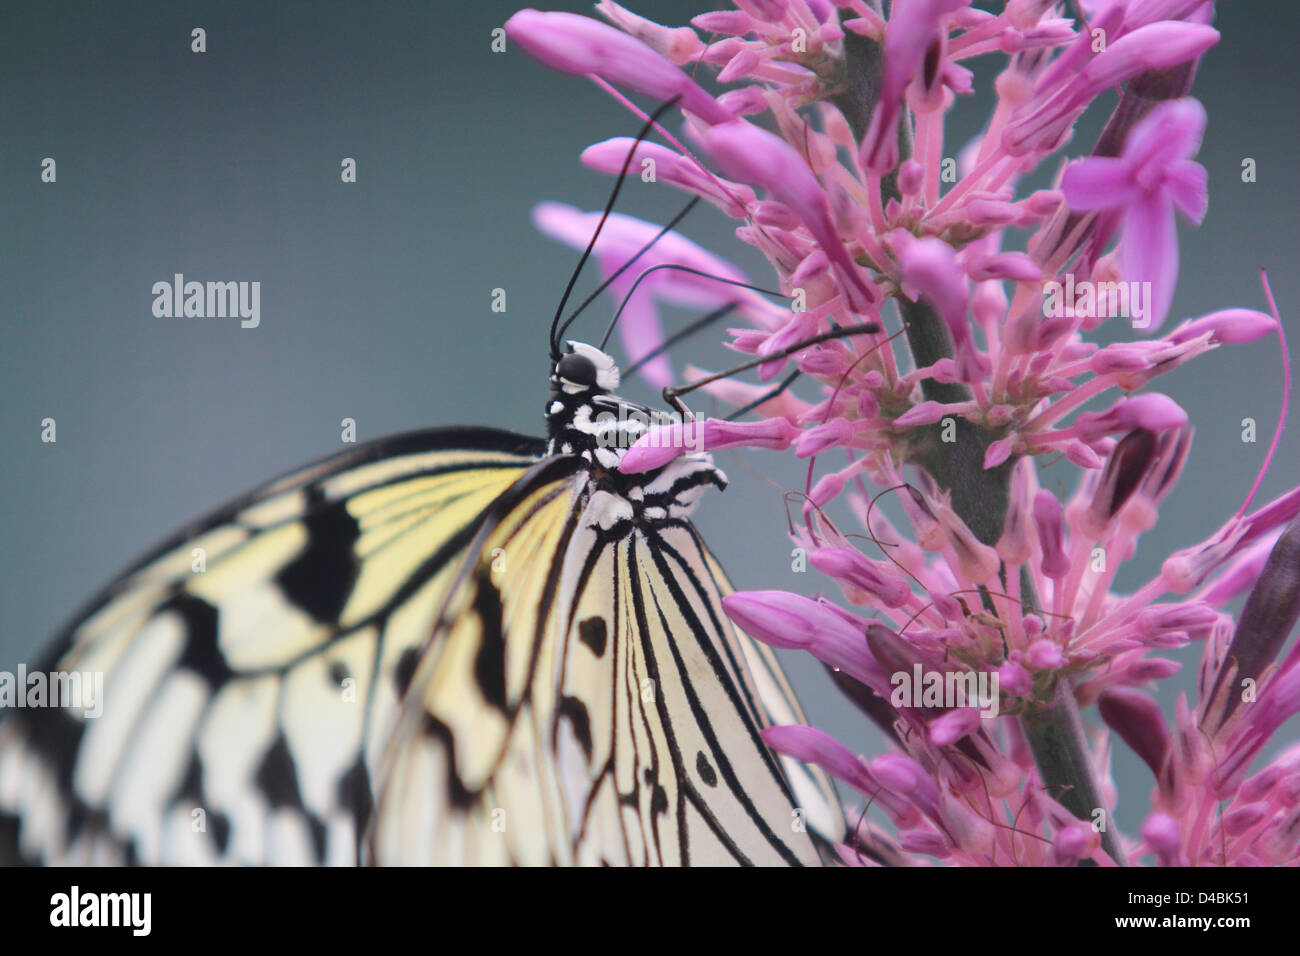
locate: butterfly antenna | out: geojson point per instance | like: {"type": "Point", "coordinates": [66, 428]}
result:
{"type": "Point", "coordinates": [679, 268]}
{"type": "Point", "coordinates": [702, 322]}
{"type": "Point", "coordinates": [609, 206]}
{"type": "Point", "coordinates": [673, 393]}
{"type": "Point", "coordinates": [672, 224]}
{"type": "Point", "coordinates": [765, 397]}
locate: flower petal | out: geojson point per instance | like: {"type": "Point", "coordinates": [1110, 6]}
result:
{"type": "Point", "coordinates": [746, 152]}
{"type": "Point", "coordinates": [1171, 131]}
{"type": "Point", "coordinates": [1187, 184]}
{"type": "Point", "coordinates": [640, 332]}
{"type": "Point", "coordinates": [1150, 252]}
{"type": "Point", "coordinates": [580, 45]}
{"type": "Point", "coordinates": [1098, 182]}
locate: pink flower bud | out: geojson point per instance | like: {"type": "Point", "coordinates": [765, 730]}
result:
{"type": "Point", "coordinates": [1152, 47]}
{"type": "Point", "coordinates": [576, 44]}
{"type": "Point", "coordinates": [812, 746]}
{"type": "Point", "coordinates": [1161, 833]}
{"type": "Point", "coordinates": [998, 452]}
{"type": "Point", "coordinates": [930, 271]}
{"type": "Point", "coordinates": [1153, 669]}
{"type": "Point", "coordinates": [828, 487]}
{"type": "Point", "coordinates": [1044, 655]}
{"type": "Point", "coordinates": [1004, 265]}
{"type": "Point", "coordinates": [1122, 357]}
{"type": "Point", "coordinates": [662, 443]}
{"type": "Point", "coordinates": [1049, 519]}
{"type": "Point", "coordinates": [1014, 679]}
{"type": "Point", "coordinates": [670, 167]}
{"type": "Point", "coordinates": [954, 725]}
{"type": "Point", "coordinates": [1082, 455]}
{"type": "Point", "coordinates": [814, 441]}
{"type": "Point", "coordinates": [854, 569]}
{"type": "Point", "coordinates": [911, 177]}
{"type": "Point", "coordinates": [1072, 843]}
{"type": "Point", "coordinates": [746, 152]}
{"type": "Point", "coordinates": [926, 413]}
{"type": "Point", "coordinates": [793, 621]}
{"type": "Point", "coordinates": [907, 778]}
{"type": "Point", "coordinates": [1226, 325]}
{"type": "Point", "coordinates": [773, 11]}
{"type": "Point", "coordinates": [734, 22]}
{"type": "Point", "coordinates": [1242, 818]}
{"type": "Point", "coordinates": [1152, 411]}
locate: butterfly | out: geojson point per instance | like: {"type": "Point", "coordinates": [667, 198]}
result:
{"type": "Point", "coordinates": [450, 646]}
{"type": "Point", "coordinates": [457, 645]}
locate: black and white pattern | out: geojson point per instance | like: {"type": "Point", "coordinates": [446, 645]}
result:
{"type": "Point", "coordinates": [434, 649]}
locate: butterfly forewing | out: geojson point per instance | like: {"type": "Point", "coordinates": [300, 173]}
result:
{"type": "Point", "coordinates": [250, 685]}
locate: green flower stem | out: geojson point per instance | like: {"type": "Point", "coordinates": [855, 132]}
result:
{"type": "Point", "coordinates": [979, 495]}
{"type": "Point", "coordinates": [1060, 748]}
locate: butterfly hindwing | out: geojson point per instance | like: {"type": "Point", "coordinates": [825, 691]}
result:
{"type": "Point", "coordinates": [627, 734]}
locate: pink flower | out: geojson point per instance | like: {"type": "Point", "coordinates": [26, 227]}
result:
{"type": "Point", "coordinates": [575, 44]}
{"type": "Point", "coordinates": [1000, 579]}
{"type": "Point", "coordinates": [662, 443]}
{"type": "Point", "coordinates": [1154, 176]}
{"type": "Point", "coordinates": [911, 31]}
{"type": "Point", "coordinates": [748, 153]}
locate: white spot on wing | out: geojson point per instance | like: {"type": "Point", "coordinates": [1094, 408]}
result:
{"type": "Point", "coordinates": [127, 689]}
{"type": "Point", "coordinates": [156, 761]}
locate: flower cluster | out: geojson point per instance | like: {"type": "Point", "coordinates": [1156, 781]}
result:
{"type": "Point", "coordinates": [828, 146]}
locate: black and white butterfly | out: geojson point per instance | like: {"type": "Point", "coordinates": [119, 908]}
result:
{"type": "Point", "coordinates": [458, 645]}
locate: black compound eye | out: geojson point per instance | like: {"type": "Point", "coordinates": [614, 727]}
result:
{"type": "Point", "coordinates": [577, 369]}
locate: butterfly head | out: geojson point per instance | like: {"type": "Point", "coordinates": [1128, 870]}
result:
{"type": "Point", "coordinates": [582, 381]}
{"type": "Point", "coordinates": [584, 370]}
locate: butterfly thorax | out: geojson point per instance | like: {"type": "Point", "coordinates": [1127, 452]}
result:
{"type": "Point", "coordinates": [585, 419]}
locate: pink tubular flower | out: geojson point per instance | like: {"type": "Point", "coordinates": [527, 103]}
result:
{"type": "Point", "coordinates": [985, 634]}
{"type": "Point", "coordinates": [1154, 176]}
{"type": "Point", "coordinates": [575, 44]}
{"type": "Point", "coordinates": [748, 153]}
{"type": "Point", "coordinates": [669, 167]}
{"type": "Point", "coordinates": [662, 443]}
{"type": "Point", "coordinates": [914, 30]}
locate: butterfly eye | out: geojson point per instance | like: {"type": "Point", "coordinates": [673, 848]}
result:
{"type": "Point", "coordinates": [577, 369]}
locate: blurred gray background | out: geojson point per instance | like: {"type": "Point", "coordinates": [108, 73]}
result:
{"type": "Point", "coordinates": [376, 295]}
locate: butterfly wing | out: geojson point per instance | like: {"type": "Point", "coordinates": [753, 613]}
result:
{"type": "Point", "coordinates": [253, 667]}
{"type": "Point", "coordinates": [440, 620]}
{"type": "Point", "coordinates": [623, 730]}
